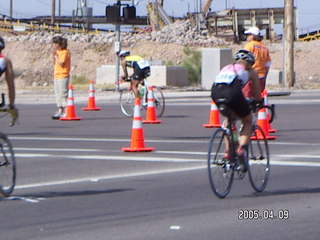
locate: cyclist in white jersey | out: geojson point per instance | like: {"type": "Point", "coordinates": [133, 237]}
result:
{"type": "Point", "coordinates": [140, 66]}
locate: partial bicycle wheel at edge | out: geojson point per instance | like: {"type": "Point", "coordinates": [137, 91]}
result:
{"type": "Point", "coordinates": [219, 168]}
{"type": "Point", "coordinates": [7, 166]}
{"type": "Point", "coordinates": [127, 102]}
{"type": "Point", "coordinates": [258, 160]}
{"type": "Point", "coordinates": [159, 101]}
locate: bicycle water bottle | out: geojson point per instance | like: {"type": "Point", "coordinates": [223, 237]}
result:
{"type": "Point", "coordinates": [235, 136]}
{"type": "Point", "coordinates": [141, 92]}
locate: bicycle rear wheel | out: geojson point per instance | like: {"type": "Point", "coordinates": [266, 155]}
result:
{"type": "Point", "coordinates": [219, 168]}
{"type": "Point", "coordinates": [127, 102]}
{"type": "Point", "coordinates": [258, 160]}
{"type": "Point", "coordinates": [159, 100]}
{"type": "Point", "coordinates": [7, 166]}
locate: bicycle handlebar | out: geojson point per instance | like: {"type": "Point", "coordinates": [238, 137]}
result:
{"type": "Point", "coordinates": [256, 106]}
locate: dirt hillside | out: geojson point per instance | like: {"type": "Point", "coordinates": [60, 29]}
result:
{"type": "Point", "coordinates": [33, 62]}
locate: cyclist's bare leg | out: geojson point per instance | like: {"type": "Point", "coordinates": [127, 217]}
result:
{"type": "Point", "coordinates": [246, 129]}
{"type": "Point", "coordinates": [134, 85]}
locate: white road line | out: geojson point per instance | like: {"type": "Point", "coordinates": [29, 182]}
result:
{"type": "Point", "coordinates": [206, 142]}
{"type": "Point", "coordinates": [57, 149]}
{"type": "Point", "coordinates": [146, 173]}
{"type": "Point", "coordinates": [105, 177]}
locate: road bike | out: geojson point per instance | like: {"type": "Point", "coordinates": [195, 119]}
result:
{"type": "Point", "coordinates": [127, 97]}
{"type": "Point", "coordinates": [7, 158]}
{"type": "Point", "coordinates": [224, 164]}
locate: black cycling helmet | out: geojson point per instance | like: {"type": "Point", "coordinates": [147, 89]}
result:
{"type": "Point", "coordinates": [2, 44]}
{"type": "Point", "coordinates": [123, 53]}
{"type": "Point", "coordinates": [246, 55]}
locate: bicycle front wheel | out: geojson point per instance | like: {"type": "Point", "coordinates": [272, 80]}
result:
{"type": "Point", "coordinates": [258, 160]}
{"type": "Point", "coordinates": [219, 167]}
{"type": "Point", "coordinates": [127, 102]}
{"type": "Point", "coordinates": [7, 166]}
{"type": "Point", "coordinates": [159, 100]}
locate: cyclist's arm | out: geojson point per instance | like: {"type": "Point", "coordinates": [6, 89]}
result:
{"type": "Point", "coordinates": [10, 83]}
{"type": "Point", "coordinates": [256, 88]}
{"type": "Point", "coordinates": [124, 68]}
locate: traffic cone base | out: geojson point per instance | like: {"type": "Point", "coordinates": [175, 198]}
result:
{"type": "Point", "coordinates": [214, 117]}
{"type": "Point", "coordinates": [208, 125]}
{"type": "Point", "coordinates": [70, 109]}
{"type": "Point", "coordinates": [91, 109]}
{"type": "Point", "coordinates": [91, 100]}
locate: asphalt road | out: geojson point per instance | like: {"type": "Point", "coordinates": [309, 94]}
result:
{"type": "Point", "coordinates": [74, 182]}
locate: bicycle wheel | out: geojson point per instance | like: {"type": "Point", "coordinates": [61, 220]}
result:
{"type": "Point", "coordinates": [219, 168]}
{"type": "Point", "coordinates": [7, 166]}
{"type": "Point", "coordinates": [159, 100]}
{"type": "Point", "coordinates": [258, 160]}
{"type": "Point", "coordinates": [127, 102]}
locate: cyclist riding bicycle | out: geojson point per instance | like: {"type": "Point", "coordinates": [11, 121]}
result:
{"type": "Point", "coordinates": [141, 69]}
{"type": "Point", "coordinates": [6, 67]}
{"type": "Point", "coordinates": [229, 84]}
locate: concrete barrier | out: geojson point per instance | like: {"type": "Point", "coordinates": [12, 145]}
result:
{"type": "Point", "coordinates": [160, 75]}
{"type": "Point", "coordinates": [274, 77]}
{"type": "Point", "coordinates": [213, 60]}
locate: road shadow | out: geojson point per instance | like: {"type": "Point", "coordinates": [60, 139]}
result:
{"type": "Point", "coordinates": [287, 192]}
{"type": "Point", "coordinates": [46, 195]}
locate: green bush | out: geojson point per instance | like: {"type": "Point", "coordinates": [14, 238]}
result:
{"type": "Point", "coordinates": [193, 63]}
{"type": "Point", "coordinates": [79, 79]}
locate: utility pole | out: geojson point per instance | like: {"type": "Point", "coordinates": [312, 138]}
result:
{"type": "Point", "coordinates": [11, 8]}
{"type": "Point", "coordinates": [289, 26]}
{"type": "Point", "coordinates": [59, 8]}
{"type": "Point", "coordinates": [53, 11]}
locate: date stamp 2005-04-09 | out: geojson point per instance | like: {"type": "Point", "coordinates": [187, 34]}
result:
{"type": "Point", "coordinates": [266, 214]}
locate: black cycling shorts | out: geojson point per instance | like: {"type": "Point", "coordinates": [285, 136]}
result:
{"type": "Point", "coordinates": [140, 74]}
{"type": "Point", "coordinates": [233, 93]}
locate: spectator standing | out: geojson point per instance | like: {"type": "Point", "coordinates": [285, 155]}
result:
{"type": "Point", "coordinates": [262, 56]}
{"type": "Point", "coordinates": [62, 64]}
{"type": "Point", "coordinates": [6, 67]}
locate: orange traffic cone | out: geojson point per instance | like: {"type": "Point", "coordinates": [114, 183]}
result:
{"type": "Point", "coordinates": [137, 138]}
{"type": "Point", "coordinates": [151, 116]}
{"type": "Point", "coordinates": [214, 117]}
{"type": "Point", "coordinates": [70, 109]}
{"type": "Point", "coordinates": [91, 100]}
{"type": "Point", "coordinates": [263, 123]}
{"type": "Point", "coordinates": [265, 98]}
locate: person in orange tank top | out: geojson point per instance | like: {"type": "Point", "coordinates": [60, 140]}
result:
{"type": "Point", "coordinates": [62, 64]}
{"type": "Point", "coordinates": [262, 56]}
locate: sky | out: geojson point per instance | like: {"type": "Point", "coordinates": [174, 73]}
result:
{"type": "Point", "coordinates": [308, 10]}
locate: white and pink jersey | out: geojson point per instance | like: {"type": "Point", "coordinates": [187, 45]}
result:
{"type": "Point", "coordinates": [3, 64]}
{"type": "Point", "coordinates": [231, 72]}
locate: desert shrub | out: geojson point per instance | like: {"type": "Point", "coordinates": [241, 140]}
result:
{"type": "Point", "coordinates": [193, 63]}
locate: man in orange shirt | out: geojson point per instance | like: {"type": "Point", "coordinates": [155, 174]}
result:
{"type": "Point", "coordinates": [62, 63]}
{"type": "Point", "coordinates": [262, 56]}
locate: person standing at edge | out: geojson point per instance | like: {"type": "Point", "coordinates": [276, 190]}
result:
{"type": "Point", "coordinates": [62, 64]}
{"type": "Point", "coordinates": [262, 56]}
{"type": "Point", "coordinates": [6, 67]}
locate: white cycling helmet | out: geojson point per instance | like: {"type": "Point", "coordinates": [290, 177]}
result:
{"type": "Point", "coordinates": [245, 55]}
{"type": "Point", "coordinates": [124, 53]}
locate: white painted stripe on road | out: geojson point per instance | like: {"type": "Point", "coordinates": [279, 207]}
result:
{"type": "Point", "coordinates": [206, 142]}
{"type": "Point", "coordinates": [145, 173]}
{"type": "Point", "coordinates": [295, 164]}
{"type": "Point", "coordinates": [109, 158]}
{"type": "Point", "coordinates": [57, 149]}
{"type": "Point", "coordinates": [105, 177]}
